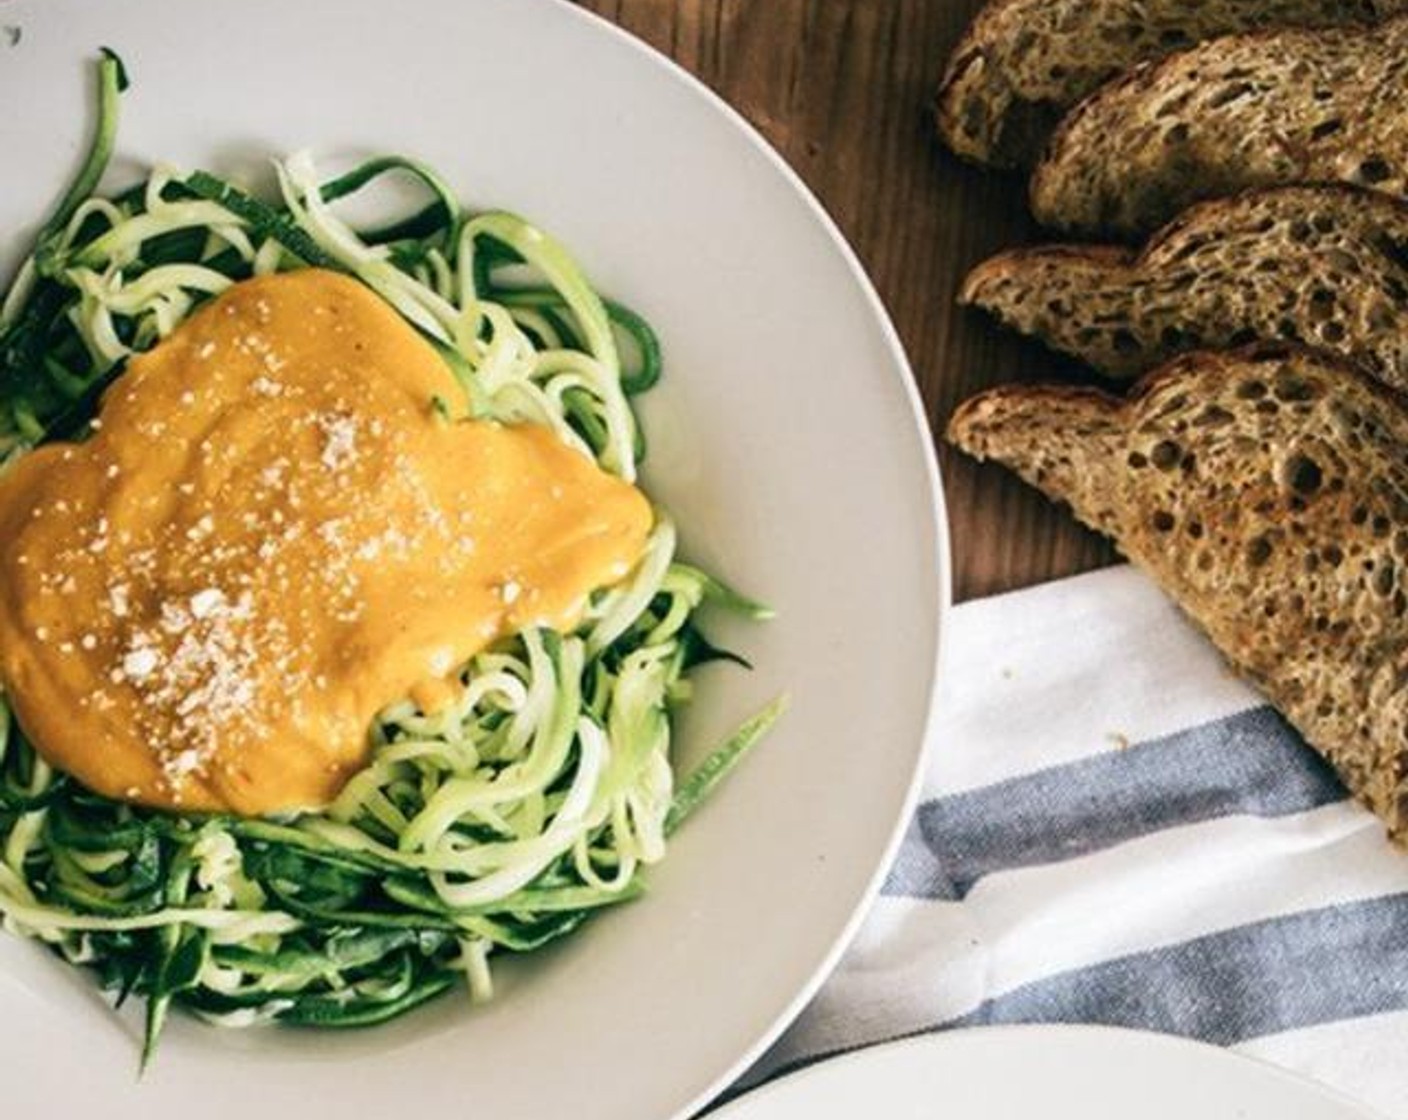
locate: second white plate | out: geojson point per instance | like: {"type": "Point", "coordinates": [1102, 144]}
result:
{"type": "Point", "coordinates": [1056, 1073]}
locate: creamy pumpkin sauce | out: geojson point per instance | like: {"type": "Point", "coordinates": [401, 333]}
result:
{"type": "Point", "coordinates": [271, 536]}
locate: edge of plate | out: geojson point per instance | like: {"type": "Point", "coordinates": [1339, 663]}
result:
{"type": "Point", "coordinates": [933, 480]}
{"type": "Point", "coordinates": [1061, 1032]}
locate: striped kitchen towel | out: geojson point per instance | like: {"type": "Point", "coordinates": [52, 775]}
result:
{"type": "Point", "coordinates": [1113, 829]}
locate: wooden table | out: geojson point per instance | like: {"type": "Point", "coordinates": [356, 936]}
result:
{"type": "Point", "coordinates": [842, 89]}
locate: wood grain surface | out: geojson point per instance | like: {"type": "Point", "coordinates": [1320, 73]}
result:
{"type": "Point", "coordinates": [842, 89]}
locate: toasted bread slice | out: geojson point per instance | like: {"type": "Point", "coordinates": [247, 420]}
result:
{"type": "Point", "coordinates": [1023, 63]}
{"type": "Point", "coordinates": [1238, 112]}
{"type": "Point", "coordinates": [1266, 490]}
{"type": "Point", "coordinates": [1327, 266]}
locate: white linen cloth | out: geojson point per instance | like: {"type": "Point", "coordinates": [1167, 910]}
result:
{"type": "Point", "coordinates": [1113, 829]}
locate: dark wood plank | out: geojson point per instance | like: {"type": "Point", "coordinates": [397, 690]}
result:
{"type": "Point", "coordinates": [842, 89]}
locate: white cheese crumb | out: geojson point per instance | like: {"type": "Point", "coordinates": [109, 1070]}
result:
{"type": "Point", "coordinates": [182, 764]}
{"type": "Point", "coordinates": [118, 601]}
{"type": "Point", "coordinates": [339, 441]}
{"type": "Point", "coordinates": [139, 663]}
{"type": "Point", "coordinates": [206, 603]}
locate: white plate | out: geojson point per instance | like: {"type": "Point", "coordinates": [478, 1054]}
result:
{"type": "Point", "coordinates": [786, 439]}
{"type": "Point", "coordinates": [1055, 1073]}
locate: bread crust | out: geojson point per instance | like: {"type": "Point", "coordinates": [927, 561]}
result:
{"type": "Point", "coordinates": [1256, 109]}
{"type": "Point", "coordinates": [1022, 63]}
{"type": "Point", "coordinates": [1325, 265]}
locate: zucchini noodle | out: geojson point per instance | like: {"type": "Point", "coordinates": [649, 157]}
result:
{"type": "Point", "coordinates": [496, 825]}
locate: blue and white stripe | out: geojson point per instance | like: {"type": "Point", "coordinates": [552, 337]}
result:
{"type": "Point", "coordinates": [1114, 830]}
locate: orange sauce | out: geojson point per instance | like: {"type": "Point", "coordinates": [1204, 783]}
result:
{"type": "Point", "coordinates": [271, 536]}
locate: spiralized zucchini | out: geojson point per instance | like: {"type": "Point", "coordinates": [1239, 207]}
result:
{"type": "Point", "coordinates": [497, 825]}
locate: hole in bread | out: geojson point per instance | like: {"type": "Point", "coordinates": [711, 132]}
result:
{"type": "Point", "coordinates": [1341, 261]}
{"type": "Point", "coordinates": [1195, 530]}
{"type": "Point", "coordinates": [1291, 387]}
{"type": "Point", "coordinates": [1124, 341]}
{"type": "Point", "coordinates": [1385, 578]}
{"type": "Point", "coordinates": [1163, 521]}
{"type": "Point", "coordinates": [1303, 474]}
{"type": "Point", "coordinates": [1137, 460]}
{"type": "Point", "coordinates": [1375, 169]}
{"type": "Point", "coordinates": [1380, 526]}
{"type": "Point", "coordinates": [1395, 250]}
{"type": "Point", "coordinates": [1348, 417]}
{"type": "Point", "coordinates": [1326, 128]}
{"type": "Point", "coordinates": [1178, 134]}
{"type": "Point", "coordinates": [1251, 390]}
{"type": "Point", "coordinates": [1332, 332]}
{"type": "Point", "coordinates": [1258, 552]}
{"type": "Point", "coordinates": [1165, 454]}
